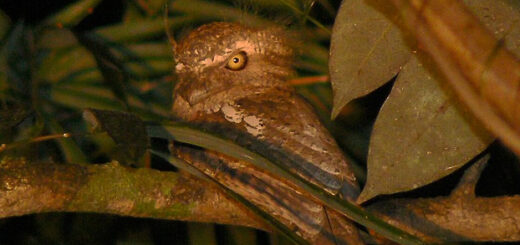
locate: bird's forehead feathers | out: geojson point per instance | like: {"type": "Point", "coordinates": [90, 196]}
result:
{"type": "Point", "coordinates": [213, 43]}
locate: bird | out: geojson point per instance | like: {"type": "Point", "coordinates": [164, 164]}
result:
{"type": "Point", "coordinates": [232, 80]}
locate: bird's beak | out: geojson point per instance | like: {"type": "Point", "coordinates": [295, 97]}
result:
{"type": "Point", "coordinates": [194, 94]}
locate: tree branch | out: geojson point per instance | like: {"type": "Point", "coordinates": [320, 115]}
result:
{"type": "Point", "coordinates": [27, 188]}
{"type": "Point", "coordinates": [454, 218]}
{"type": "Point", "coordinates": [459, 217]}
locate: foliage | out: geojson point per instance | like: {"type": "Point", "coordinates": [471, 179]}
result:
{"type": "Point", "coordinates": [50, 71]}
{"type": "Point", "coordinates": [423, 132]}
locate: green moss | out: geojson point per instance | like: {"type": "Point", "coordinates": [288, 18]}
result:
{"type": "Point", "coordinates": [131, 191]}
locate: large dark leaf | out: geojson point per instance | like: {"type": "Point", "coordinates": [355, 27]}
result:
{"type": "Point", "coordinates": [12, 115]}
{"type": "Point", "coordinates": [127, 131]}
{"type": "Point", "coordinates": [366, 51]}
{"type": "Point", "coordinates": [422, 132]}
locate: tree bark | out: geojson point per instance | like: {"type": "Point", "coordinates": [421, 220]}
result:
{"type": "Point", "coordinates": [27, 188]}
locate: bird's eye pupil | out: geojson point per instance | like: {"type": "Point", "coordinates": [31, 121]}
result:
{"type": "Point", "coordinates": [237, 61]}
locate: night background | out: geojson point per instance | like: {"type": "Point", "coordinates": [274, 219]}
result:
{"type": "Point", "coordinates": [52, 77]}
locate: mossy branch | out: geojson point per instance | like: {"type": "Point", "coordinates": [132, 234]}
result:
{"type": "Point", "coordinates": [27, 188]}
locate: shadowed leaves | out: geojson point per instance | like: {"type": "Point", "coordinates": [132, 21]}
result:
{"type": "Point", "coordinates": [422, 132]}
{"type": "Point", "coordinates": [442, 136]}
{"type": "Point", "coordinates": [366, 51]}
{"type": "Point", "coordinates": [127, 131]}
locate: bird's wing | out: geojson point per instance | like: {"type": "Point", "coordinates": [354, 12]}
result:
{"type": "Point", "coordinates": [286, 130]}
{"type": "Point", "coordinates": [281, 200]}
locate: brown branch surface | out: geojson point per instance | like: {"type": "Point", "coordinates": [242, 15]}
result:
{"type": "Point", "coordinates": [454, 219]}
{"type": "Point", "coordinates": [459, 217]}
{"type": "Point", "coordinates": [27, 188]}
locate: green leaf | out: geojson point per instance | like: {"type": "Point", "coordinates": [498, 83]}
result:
{"type": "Point", "coordinates": [15, 63]}
{"type": "Point", "coordinates": [150, 68]}
{"type": "Point", "coordinates": [70, 149]}
{"type": "Point", "coordinates": [60, 64]}
{"type": "Point", "coordinates": [422, 134]}
{"type": "Point", "coordinates": [313, 58]}
{"type": "Point", "coordinates": [212, 11]}
{"type": "Point", "coordinates": [77, 64]}
{"type": "Point", "coordinates": [150, 7]}
{"type": "Point", "coordinates": [56, 38]}
{"type": "Point", "coordinates": [144, 50]}
{"type": "Point", "coordinates": [366, 51]}
{"type": "Point", "coordinates": [140, 30]}
{"type": "Point", "coordinates": [114, 73]}
{"type": "Point", "coordinates": [127, 131]}
{"type": "Point", "coordinates": [183, 133]}
{"type": "Point", "coordinates": [133, 12]}
{"type": "Point", "coordinates": [80, 97]}
{"type": "Point", "coordinates": [72, 14]}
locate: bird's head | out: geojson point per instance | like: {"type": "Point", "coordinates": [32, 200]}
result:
{"type": "Point", "coordinates": [218, 57]}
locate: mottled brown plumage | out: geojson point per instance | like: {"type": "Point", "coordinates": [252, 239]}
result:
{"type": "Point", "coordinates": [232, 80]}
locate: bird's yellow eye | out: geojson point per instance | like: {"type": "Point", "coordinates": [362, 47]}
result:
{"type": "Point", "coordinates": [237, 61]}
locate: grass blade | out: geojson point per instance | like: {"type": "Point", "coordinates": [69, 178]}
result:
{"type": "Point", "coordinates": [73, 14]}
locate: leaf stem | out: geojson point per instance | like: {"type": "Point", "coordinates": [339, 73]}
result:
{"type": "Point", "coordinates": [4, 147]}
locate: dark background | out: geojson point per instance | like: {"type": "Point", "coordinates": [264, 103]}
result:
{"type": "Point", "coordinates": [74, 228]}
{"type": "Point", "coordinates": [33, 11]}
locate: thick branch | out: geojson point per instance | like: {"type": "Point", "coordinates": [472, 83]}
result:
{"type": "Point", "coordinates": [457, 218]}
{"type": "Point", "coordinates": [35, 188]}
{"type": "Point", "coordinates": [27, 188]}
